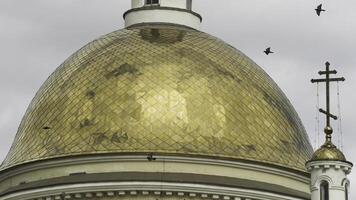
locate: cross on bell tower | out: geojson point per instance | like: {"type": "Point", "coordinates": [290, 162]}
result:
{"type": "Point", "coordinates": [328, 129]}
{"type": "Point", "coordinates": [328, 166]}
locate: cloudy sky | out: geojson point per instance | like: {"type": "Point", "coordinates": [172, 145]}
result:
{"type": "Point", "coordinates": [36, 36]}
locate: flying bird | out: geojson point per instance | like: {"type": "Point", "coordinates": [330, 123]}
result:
{"type": "Point", "coordinates": [268, 51]}
{"type": "Point", "coordinates": [150, 157]}
{"type": "Point", "coordinates": [319, 9]}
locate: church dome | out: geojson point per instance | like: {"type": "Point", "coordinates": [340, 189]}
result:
{"type": "Point", "coordinates": [163, 89]}
{"type": "Point", "coordinates": [328, 152]}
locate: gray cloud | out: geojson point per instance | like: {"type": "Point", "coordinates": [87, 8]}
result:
{"type": "Point", "coordinates": [37, 36]}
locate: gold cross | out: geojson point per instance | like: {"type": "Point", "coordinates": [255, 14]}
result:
{"type": "Point", "coordinates": [327, 80]}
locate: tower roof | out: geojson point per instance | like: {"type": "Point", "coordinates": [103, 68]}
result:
{"type": "Point", "coordinates": [328, 152]}
{"type": "Point", "coordinates": [161, 89]}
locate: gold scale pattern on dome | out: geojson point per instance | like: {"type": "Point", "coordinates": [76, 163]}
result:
{"type": "Point", "coordinates": [161, 89]}
{"type": "Point", "coordinates": [328, 151]}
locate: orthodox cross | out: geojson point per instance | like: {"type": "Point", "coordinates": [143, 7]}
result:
{"type": "Point", "coordinates": [328, 80]}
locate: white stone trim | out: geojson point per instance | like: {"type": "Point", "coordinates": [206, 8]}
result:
{"type": "Point", "coordinates": [54, 168]}
{"type": "Point", "coordinates": [322, 178]}
{"type": "Point", "coordinates": [183, 4]}
{"type": "Point", "coordinates": [142, 158]}
{"type": "Point", "coordinates": [346, 181]}
{"type": "Point", "coordinates": [162, 15]}
{"type": "Point", "coordinates": [81, 191]}
{"type": "Point", "coordinates": [345, 166]}
{"type": "Point", "coordinates": [334, 172]}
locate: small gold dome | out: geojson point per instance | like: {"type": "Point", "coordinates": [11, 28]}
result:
{"type": "Point", "coordinates": [161, 89]}
{"type": "Point", "coordinates": [328, 152]}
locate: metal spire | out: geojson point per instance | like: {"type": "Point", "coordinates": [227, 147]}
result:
{"type": "Point", "coordinates": [328, 130]}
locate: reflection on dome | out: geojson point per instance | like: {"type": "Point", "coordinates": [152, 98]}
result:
{"type": "Point", "coordinates": [326, 152]}
{"type": "Point", "coordinates": [164, 90]}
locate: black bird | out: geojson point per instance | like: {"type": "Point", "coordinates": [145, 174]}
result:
{"type": "Point", "coordinates": [150, 157]}
{"type": "Point", "coordinates": [319, 9]}
{"type": "Point", "coordinates": [268, 51]}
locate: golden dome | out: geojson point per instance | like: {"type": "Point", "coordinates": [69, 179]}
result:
{"type": "Point", "coordinates": [328, 152]}
{"type": "Point", "coordinates": [161, 89]}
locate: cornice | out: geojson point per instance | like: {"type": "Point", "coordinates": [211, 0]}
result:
{"type": "Point", "coordinates": [162, 8]}
{"type": "Point", "coordinates": [108, 169]}
{"type": "Point", "coordinates": [100, 190]}
{"type": "Point", "coordinates": [68, 161]}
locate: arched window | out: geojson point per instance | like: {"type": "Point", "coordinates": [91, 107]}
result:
{"type": "Point", "coordinates": [346, 191]}
{"type": "Point", "coordinates": [151, 2]}
{"type": "Point", "coordinates": [324, 191]}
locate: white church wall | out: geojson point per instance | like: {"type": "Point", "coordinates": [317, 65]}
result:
{"type": "Point", "coordinates": [172, 165]}
{"type": "Point", "coordinates": [142, 191]}
{"type": "Point", "coordinates": [334, 173]}
{"type": "Point", "coordinates": [174, 3]}
{"type": "Point", "coordinates": [137, 3]}
{"type": "Point", "coordinates": [163, 3]}
{"type": "Point", "coordinates": [162, 16]}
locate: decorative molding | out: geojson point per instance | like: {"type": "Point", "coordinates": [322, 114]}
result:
{"type": "Point", "coordinates": [321, 178]}
{"type": "Point", "coordinates": [345, 181]}
{"type": "Point", "coordinates": [63, 162]}
{"type": "Point", "coordinates": [100, 190]}
{"type": "Point", "coordinates": [163, 8]}
{"type": "Point", "coordinates": [337, 188]}
{"type": "Point", "coordinates": [345, 166]}
{"type": "Point", "coordinates": [224, 173]}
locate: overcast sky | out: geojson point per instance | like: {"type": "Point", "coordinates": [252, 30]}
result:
{"type": "Point", "coordinates": [36, 36]}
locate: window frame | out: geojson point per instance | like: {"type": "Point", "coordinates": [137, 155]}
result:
{"type": "Point", "coordinates": [346, 191]}
{"type": "Point", "coordinates": [324, 190]}
{"type": "Point", "coordinates": [189, 4]}
{"type": "Point", "coordinates": [151, 3]}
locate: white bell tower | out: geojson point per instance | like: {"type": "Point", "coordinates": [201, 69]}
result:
{"type": "Point", "coordinates": [178, 12]}
{"type": "Point", "coordinates": [329, 170]}
{"type": "Point", "coordinates": [328, 166]}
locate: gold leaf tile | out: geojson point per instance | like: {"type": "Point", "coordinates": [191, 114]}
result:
{"type": "Point", "coordinates": [181, 91]}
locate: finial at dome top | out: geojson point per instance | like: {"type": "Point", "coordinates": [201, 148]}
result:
{"type": "Point", "coordinates": [178, 12]}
